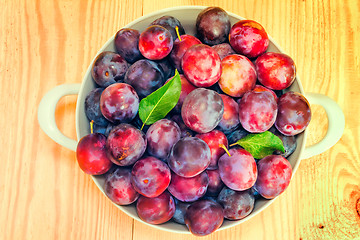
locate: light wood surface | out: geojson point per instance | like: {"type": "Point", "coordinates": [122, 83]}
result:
{"type": "Point", "coordinates": [45, 195]}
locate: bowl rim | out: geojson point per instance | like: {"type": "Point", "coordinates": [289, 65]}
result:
{"type": "Point", "coordinates": [81, 92]}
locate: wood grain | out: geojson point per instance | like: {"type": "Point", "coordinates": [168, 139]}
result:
{"type": "Point", "coordinates": [44, 194]}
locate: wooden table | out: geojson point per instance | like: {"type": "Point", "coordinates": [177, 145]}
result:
{"type": "Point", "coordinates": [44, 194]}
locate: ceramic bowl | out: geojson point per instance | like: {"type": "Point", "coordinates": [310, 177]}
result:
{"type": "Point", "coordinates": [187, 16]}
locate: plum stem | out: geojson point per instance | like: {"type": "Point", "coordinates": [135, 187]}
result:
{"type": "Point", "coordinates": [226, 150]}
{"type": "Point", "coordinates": [177, 32]}
{"type": "Point", "coordinates": [92, 126]}
{"type": "Point", "coordinates": [142, 126]}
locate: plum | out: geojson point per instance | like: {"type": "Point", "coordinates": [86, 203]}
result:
{"type": "Point", "coordinates": [180, 211]}
{"type": "Point", "coordinates": [237, 204]}
{"type": "Point", "coordinates": [127, 44]}
{"type": "Point", "coordinates": [145, 77]}
{"type": "Point", "coordinates": [185, 131]}
{"type": "Point", "coordinates": [238, 75]}
{"type": "Point", "coordinates": [125, 144]}
{"type": "Point", "coordinates": [181, 45]}
{"type": "Point", "coordinates": [204, 217]}
{"type": "Point", "coordinates": [118, 187]}
{"type": "Point", "coordinates": [260, 88]}
{"type": "Point", "coordinates": [202, 110]}
{"type": "Point", "coordinates": [91, 154]}
{"type": "Point", "coordinates": [216, 140]}
{"type": "Point", "coordinates": [276, 71]}
{"type": "Point", "coordinates": [274, 175]}
{"type": "Point", "coordinates": [248, 38]}
{"type": "Point", "coordinates": [294, 114]}
{"type": "Point", "coordinates": [161, 136]}
{"type": "Point", "coordinates": [108, 68]}
{"type": "Point", "coordinates": [213, 25]}
{"type": "Point", "coordinates": [170, 23]}
{"type": "Point", "coordinates": [215, 182]}
{"type": "Point", "coordinates": [188, 189]}
{"type": "Point", "coordinates": [150, 176]}
{"type": "Point", "coordinates": [156, 210]}
{"type": "Point", "coordinates": [189, 157]}
{"type": "Point", "coordinates": [155, 42]}
{"type": "Point", "coordinates": [230, 119]}
{"type": "Point", "coordinates": [201, 65]}
{"type": "Point", "coordinates": [119, 103]}
{"type": "Point", "coordinates": [257, 111]}
{"type": "Point", "coordinates": [92, 107]}
{"type": "Point", "coordinates": [223, 49]}
{"type": "Point", "coordinates": [238, 172]}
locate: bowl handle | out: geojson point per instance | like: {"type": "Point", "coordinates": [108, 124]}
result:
{"type": "Point", "coordinates": [46, 114]}
{"type": "Point", "coordinates": [336, 124]}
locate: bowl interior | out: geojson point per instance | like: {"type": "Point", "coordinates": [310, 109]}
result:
{"type": "Point", "coordinates": [187, 16]}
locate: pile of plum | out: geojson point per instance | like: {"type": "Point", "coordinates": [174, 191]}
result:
{"type": "Point", "coordinates": [181, 168]}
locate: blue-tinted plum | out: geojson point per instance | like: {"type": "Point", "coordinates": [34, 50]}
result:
{"type": "Point", "coordinates": [92, 107]}
{"type": "Point", "coordinates": [223, 49]}
{"type": "Point", "coordinates": [216, 88]}
{"type": "Point", "coordinates": [161, 136]}
{"type": "Point", "coordinates": [204, 217]}
{"type": "Point", "coordinates": [188, 189]}
{"type": "Point", "coordinates": [119, 103]}
{"type": "Point", "coordinates": [108, 68]}
{"type": "Point", "coordinates": [294, 114]}
{"type": "Point", "coordinates": [125, 144]}
{"type": "Point", "coordinates": [213, 25]}
{"type": "Point", "coordinates": [145, 76]}
{"type": "Point", "coordinates": [91, 154]}
{"type": "Point", "coordinates": [189, 157]}
{"type": "Point", "coordinates": [238, 172]}
{"type": "Point", "coordinates": [289, 143]}
{"type": "Point", "coordinates": [127, 44]}
{"type": "Point", "coordinates": [136, 122]}
{"type": "Point", "coordinates": [150, 176]}
{"type": "Point", "coordinates": [100, 129]}
{"type": "Point", "coordinates": [180, 211]}
{"type": "Point", "coordinates": [170, 23]}
{"type": "Point", "coordinates": [202, 110]}
{"type": "Point", "coordinates": [257, 111]}
{"type": "Point", "coordinates": [156, 210]}
{"type": "Point", "coordinates": [236, 135]}
{"type": "Point", "coordinates": [215, 140]}
{"type": "Point", "coordinates": [215, 182]}
{"type": "Point", "coordinates": [155, 42]}
{"type": "Point", "coordinates": [109, 128]}
{"type": "Point", "coordinates": [166, 67]}
{"type": "Point", "coordinates": [118, 187]}
{"type": "Point", "coordinates": [208, 197]}
{"type": "Point", "coordinates": [274, 175]}
{"type": "Point", "coordinates": [230, 119]}
{"type": "Point", "coordinates": [185, 131]}
{"type": "Point", "coordinates": [237, 204]}
{"type": "Point", "coordinates": [256, 193]}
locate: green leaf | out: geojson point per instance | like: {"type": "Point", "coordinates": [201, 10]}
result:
{"type": "Point", "coordinates": [261, 145]}
{"type": "Point", "coordinates": [159, 103]}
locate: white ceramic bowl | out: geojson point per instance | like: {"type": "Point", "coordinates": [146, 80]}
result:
{"type": "Point", "coordinates": [187, 16]}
